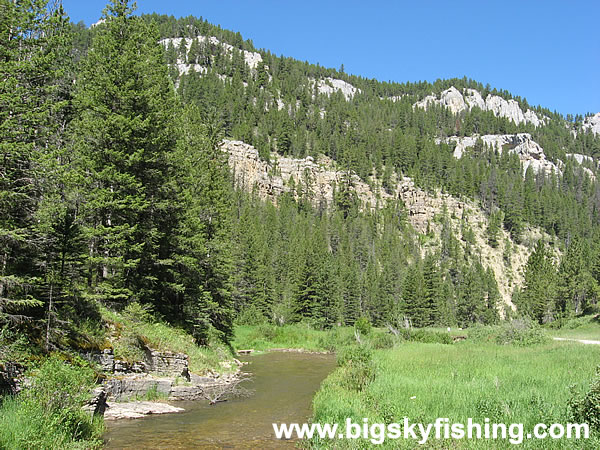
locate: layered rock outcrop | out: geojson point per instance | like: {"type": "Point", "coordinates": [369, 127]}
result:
{"type": "Point", "coordinates": [269, 180]}
{"type": "Point", "coordinates": [162, 363]}
{"type": "Point", "coordinates": [458, 102]}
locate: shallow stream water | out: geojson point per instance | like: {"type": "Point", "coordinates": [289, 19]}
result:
{"type": "Point", "coordinates": [282, 386]}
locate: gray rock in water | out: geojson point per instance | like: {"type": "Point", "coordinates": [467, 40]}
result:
{"type": "Point", "coordinates": [136, 410]}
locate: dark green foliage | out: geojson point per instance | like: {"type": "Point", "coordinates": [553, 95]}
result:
{"type": "Point", "coordinates": [201, 286]}
{"type": "Point", "coordinates": [124, 133]}
{"type": "Point", "coordinates": [34, 47]}
{"type": "Point", "coordinates": [576, 287]}
{"type": "Point", "coordinates": [585, 407]}
{"type": "Point", "coordinates": [536, 298]}
{"type": "Point", "coordinates": [48, 413]}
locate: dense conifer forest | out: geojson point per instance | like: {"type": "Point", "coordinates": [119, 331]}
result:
{"type": "Point", "coordinates": [125, 229]}
{"type": "Point", "coordinates": [114, 188]}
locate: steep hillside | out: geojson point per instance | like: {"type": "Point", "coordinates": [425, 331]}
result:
{"type": "Point", "coordinates": [320, 178]}
{"type": "Point", "coordinates": [453, 148]}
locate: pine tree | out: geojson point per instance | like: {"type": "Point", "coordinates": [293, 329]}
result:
{"type": "Point", "coordinates": [202, 254]}
{"type": "Point", "coordinates": [432, 283]}
{"type": "Point", "coordinates": [33, 51]}
{"type": "Point", "coordinates": [413, 297]}
{"type": "Point", "coordinates": [537, 296]}
{"type": "Point", "coordinates": [124, 134]}
{"type": "Point", "coordinates": [576, 286]}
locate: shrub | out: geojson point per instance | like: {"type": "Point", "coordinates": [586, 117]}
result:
{"type": "Point", "coordinates": [48, 413]}
{"type": "Point", "coordinates": [521, 332]}
{"type": "Point", "coordinates": [585, 408]}
{"type": "Point", "coordinates": [363, 326]}
{"type": "Point", "coordinates": [383, 340]}
{"type": "Point", "coordinates": [357, 366]}
{"type": "Point", "coordinates": [425, 336]}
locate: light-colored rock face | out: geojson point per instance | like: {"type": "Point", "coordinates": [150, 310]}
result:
{"type": "Point", "coordinates": [318, 178]}
{"type": "Point", "coordinates": [529, 152]}
{"type": "Point", "coordinates": [592, 123]}
{"type": "Point", "coordinates": [580, 159]}
{"type": "Point", "coordinates": [458, 102]}
{"type": "Point", "coordinates": [274, 179]}
{"type": "Point", "coordinates": [450, 98]}
{"type": "Point", "coordinates": [473, 98]}
{"type": "Point", "coordinates": [330, 85]}
{"type": "Point", "coordinates": [505, 108]}
{"type": "Point", "coordinates": [252, 59]}
{"type": "Point", "coordinates": [532, 117]}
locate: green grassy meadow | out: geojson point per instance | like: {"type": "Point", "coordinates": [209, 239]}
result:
{"type": "Point", "coordinates": [470, 379]}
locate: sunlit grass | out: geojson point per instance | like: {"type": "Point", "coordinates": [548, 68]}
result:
{"type": "Point", "coordinates": [506, 384]}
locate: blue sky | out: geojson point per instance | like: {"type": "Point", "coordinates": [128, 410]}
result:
{"type": "Point", "coordinates": [546, 51]}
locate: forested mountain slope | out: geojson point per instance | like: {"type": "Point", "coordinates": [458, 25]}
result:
{"type": "Point", "coordinates": [437, 203]}
{"type": "Point", "coordinates": [404, 144]}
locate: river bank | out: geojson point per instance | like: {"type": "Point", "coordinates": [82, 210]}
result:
{"type": "Point", "coordinates": [280, 389]}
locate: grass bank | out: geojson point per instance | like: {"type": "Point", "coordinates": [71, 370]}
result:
{"type": "Point", "coordinates": [48, 412]}
{"type": "Point", "coordinates": [478, 380]}
{"type": "Point", "coordinates": [130, 331]}
{"type": "Point", "coordinates": [586, 327]}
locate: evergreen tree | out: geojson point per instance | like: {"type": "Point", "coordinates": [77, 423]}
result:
{"type": "Point", "coordinates": [414, 307]}
{"type": "Point", "coordinates": [537, 296]}
{"type": "Point", "coordinates": [202, 253]}
{"type": "Point", "coordinates": [575, 286]}
{"type": "Point", "coordinates": [33, 54]}
{"type": "Point", "coordinates": [433, 294]}
{"type": "Point", "coordinates": [125, 133]}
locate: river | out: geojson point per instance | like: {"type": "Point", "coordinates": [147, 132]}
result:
{"type": "Point", "coordinates": [282, 386]}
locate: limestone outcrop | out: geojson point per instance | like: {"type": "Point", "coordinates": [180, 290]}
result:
{"type": "Point", "coordinates": [587, 160]}
{"type": "Point", "coordinates": [457, 102]}
{"type": "Point", "coordinates": [252, 59]}
{"type": "Point", "coordinates": [137, 410]}
{"type": "Point", "coordinates": [155, 362]}
{"type": "Point", "coordinates": [530, 153]}
{"type": "Point", "coordinates": [330, 85]}
{"type": "Point", "coordinates": [592, 123]}
{"type": "Point", "coordinates": [319, 179]}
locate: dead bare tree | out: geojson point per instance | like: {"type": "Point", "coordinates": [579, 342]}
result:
{"type": "Point", "coordinates": [221, 392]}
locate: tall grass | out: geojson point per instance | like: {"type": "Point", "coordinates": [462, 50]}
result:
{"type": "Point", "coordinates": [507, 384]}
{"type": "Point", "coordinates": [136, 329]}
{"type": "Point", "coordinates": [48, 413]}
{"type": "Point", "coordinates": [586, 327]}
{"type": "Point", "coordinates": [296, 336]}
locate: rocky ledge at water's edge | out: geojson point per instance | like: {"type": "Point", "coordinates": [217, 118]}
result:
{"type": "Point", "coordinates": [163, 375]}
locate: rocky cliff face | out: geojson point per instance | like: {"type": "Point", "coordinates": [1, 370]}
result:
{"type": "Point", "coordinates": [319, 180]}
{"type": "Point", "coordinates": [252, 59]}
{"type": "Point", "coordinates": [330, 85]}
{"type": "Point", "coordinates": [458, 102]}
{"type": "Point", "coordinates": [592, 123]}
{"type": "Point", "coordinates": [530, 153]}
